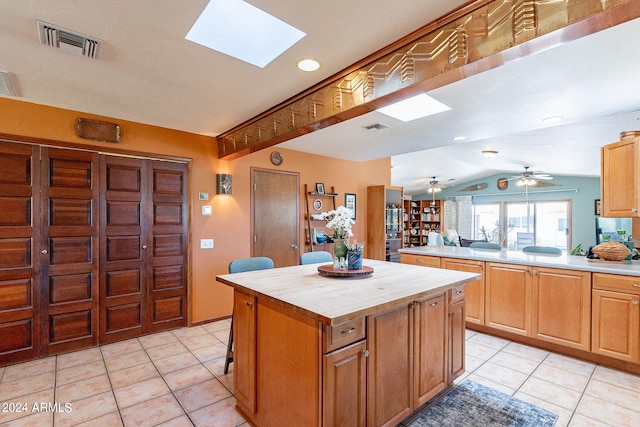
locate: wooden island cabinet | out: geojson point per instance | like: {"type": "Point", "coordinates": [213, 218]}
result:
{"type": "Point", "coordinates": [319, 351]}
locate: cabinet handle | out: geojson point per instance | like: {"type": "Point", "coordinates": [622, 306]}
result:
{"type": "Point", "coordinates": [634, 210]}
{"type": "Point", "coordinates": [635, 301]}
{"type": "Point", "coordinates": [459, 291]}
{"type": "Point", "coordinates": [433, 304]}
{"type": "Point", "coordinates": [635, 285]}
{"type": "Point", "coordinates": [365, 353]}
{"type": "Point", "coordinates": [249, 303]}
{"type": "Point", "coordinates": [348, 331]}
{"type": "Point", "coordinates": [144, 246]}
{"type": "Point", "coordinates": [419, 261]}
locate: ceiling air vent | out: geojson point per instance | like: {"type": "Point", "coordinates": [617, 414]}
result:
{"type": "Point", "coordinates": [69, 41]}
{"type": "Point", "coordinates": [376, 127]}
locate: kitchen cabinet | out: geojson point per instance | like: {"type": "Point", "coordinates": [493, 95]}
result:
{"type": "Point", "coordinates": [345, 386]}
{"type": "Point", "coordinates": [620, 178]}
{"type": "Point", "coordinates": [425, 261]}
{"type": "Point", "coordinates": [616, 317]}
{"type": "Point", "coordinates": [416, 370]}
{"type": "Point", "coordinates": [456, 339]}
{"type": "Point", "coordinates": [508, 297]}
{"type": "Point", "coordinates": [384, 222]}
{"type": "Point", "coordinates": [562, 307]}
{"type": "Point", "coordinates": [473, 291]}
{"type": "Point", "coordinates": [244, 355]}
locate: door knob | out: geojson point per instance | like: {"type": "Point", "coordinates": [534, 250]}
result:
{"type": "Point", "coordinates": [44, 251]}
{"type": "Point", "coordinates": [144, 246]}
{"type": "Point", "coordinates": [294, 246]}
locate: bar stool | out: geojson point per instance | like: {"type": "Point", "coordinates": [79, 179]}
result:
{"type": "Point", "coordinates": [239, 266]}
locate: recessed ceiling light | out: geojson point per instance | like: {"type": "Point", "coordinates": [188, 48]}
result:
{"type": "Point", "coordinates": [414, 108]}
{"type": "Point", "coordinates": [308, 65]}
{"type": "Point", "coordinates": [459, 138]}
{"type": "Point", "coordinates": [552, 119]}
{"type": "Point", "coordinates": [243, 31]}
{"type": "Point", "coordinates": [489, 153]}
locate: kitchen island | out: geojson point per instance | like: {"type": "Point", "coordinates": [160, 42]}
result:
{"type": "Point", "coordinates": [313, 350]}
{"type": "Point", "coordinates": [568, 304]}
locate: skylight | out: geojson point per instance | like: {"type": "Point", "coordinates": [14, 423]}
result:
{"type": "Point", "coordinates": [414, 108]}
{"type": "Point", "coordinates": [243, 31]}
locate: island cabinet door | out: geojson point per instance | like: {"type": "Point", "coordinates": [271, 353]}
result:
{"type": "Point", "coordinates": [508, 298]}
{"type": "Point", "coordinates": [390, 366]}
{"type": "Point", "coordinates": [562, 307]}
{"type": "Point", "coordinates": [345, 386]}
{"type": "Point", "coordinates": [430, 352]}
{"type": "Point", "coordinates": [244, 354]}
{"type": "Point", "coordinates": [473, 291]}
{"type": "Point", "coordinates": [456, 339]}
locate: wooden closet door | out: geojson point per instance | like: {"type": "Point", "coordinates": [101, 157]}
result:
{"type": "Point", "coordinates": [69, 249]}
{"type": "Point", "coordinates": [19, 253]}
{"type": "Point", "coordinates": [167, 254]}
{"type": "Point", "coordinates": [123, 245]}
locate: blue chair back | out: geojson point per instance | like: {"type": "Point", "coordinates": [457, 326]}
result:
{"type": "Point", "coordinates": [544, 250]}
{"type": "Point", "coordinates": [250, 264]}
{"type": "Point", "coordinates": [485, 245]}
{"type": "Point", "coordinates": [315, 257]}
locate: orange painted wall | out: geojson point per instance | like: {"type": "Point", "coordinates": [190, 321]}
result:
{"type": "Point", "coordinates": [229, 225]}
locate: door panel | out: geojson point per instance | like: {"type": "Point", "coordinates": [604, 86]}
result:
{"type": "Point", "coordinates": [167, 219]}
{"type": "Point", "coordinates": [19, 242]}
{"type": "Point", "coordinates": [122, 267]}
{"type": "Point", "coordinates": [70, 235]}
{"type": "Point", "coordinates": [276, 216]}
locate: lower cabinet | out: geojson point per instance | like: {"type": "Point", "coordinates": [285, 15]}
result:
{"type": "Point", "coordinates": [508, 297]}
{"type": "Point", "coordinates": [473, 291]}
{"type": "Point", "coordinates": [345, 386]}
{"type": "Point", "coordinates": [616, 317]}
{"type": "Point", "coordinates": [244, 352]}
{"type": "Point", "coordinates": [456, 339]}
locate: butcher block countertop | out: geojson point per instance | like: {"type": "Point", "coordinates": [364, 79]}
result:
{"type": "Point", "coordinates": [334, 301]}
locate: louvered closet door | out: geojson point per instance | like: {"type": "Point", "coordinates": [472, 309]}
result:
{"type": "Point", "coordinates": [123, 248]}
{"type": "Point", "coordinates": [167, 259]}
{"type": "Point", "coordinates": [19, 253]}
{"type": "Point", "coordinates": [69, 250]}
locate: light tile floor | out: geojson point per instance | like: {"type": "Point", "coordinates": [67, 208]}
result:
{"type": "Point", "coordinates": [176, 379]}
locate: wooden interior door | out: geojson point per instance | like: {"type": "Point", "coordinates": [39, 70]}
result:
{"type": "Point", "coordinates": [167, 246]}
{"type": "Point", "coordinates": [19, 253]}
{"type": "Point", "coordinates": [70, 248]}
{"type": "Point", "coordinates": [276, 216]}
{"type": "Point", "coordinates": [123, 243]}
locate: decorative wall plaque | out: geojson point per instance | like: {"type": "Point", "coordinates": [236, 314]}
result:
{"type": "Point", "coordinates": [97, 130]}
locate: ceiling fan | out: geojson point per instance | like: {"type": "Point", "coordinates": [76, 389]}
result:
{"type": "Point", "coordinates": [435, 187]}
{"type": "Point", "coordinates": [528, 178]}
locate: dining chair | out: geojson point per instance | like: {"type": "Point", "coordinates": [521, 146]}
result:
{"type": "Point", "coordinates": [315, 257]}
{"type": "Point", "coordinates": [544, 250]}
{"type": "Point", "coordinates": [239, 266]}
{"type": "Point", "coordinates": [485, 245]}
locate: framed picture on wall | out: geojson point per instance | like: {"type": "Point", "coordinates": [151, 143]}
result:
{"type": "Point", "coordinates": [350, 202]}
{"type": "Point", "coordinates": [597, 207]}
{"type": "Point", "coordinates": [319, 188]}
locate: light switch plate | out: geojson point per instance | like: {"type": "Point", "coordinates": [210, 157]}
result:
{"type": "Point", "coordinates": [206, 210]}
{"type": "Point", "coordinates": [206, 243]}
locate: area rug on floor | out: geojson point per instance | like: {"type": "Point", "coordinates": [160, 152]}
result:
{"type": "Point", "coordinates": [473, 405]}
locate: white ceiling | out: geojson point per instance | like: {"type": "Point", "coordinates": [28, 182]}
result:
{"type": "Point", "coordinates": [147, 72]}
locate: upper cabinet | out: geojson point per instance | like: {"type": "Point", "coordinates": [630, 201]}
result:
{"type": "Point", "coordinates": [620, 177]}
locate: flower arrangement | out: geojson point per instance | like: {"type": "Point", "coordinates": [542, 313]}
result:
{"type": "Point", "coordinates": [339, 222]}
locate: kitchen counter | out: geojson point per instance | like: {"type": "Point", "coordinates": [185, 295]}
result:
{"type": "Point", "coordinates": [334, 301]}
{"type": "Point", "coordinates": [567, 262]}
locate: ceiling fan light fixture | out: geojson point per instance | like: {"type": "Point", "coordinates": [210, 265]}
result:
{"type": "Point", "coordinates": [526, 181]}
{"type": "Point", "coordinates": [434, 190]}
{"type": "Point", "coordinates": [489, 153]}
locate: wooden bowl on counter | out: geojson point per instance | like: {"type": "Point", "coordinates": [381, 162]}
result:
{"type": "Point", "coordinates": [611, 251]}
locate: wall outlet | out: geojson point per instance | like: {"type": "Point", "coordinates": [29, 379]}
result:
{"type": "Point", "coordinates": [206, 243]}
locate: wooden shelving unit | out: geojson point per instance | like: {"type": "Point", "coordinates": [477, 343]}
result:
{"type": "Point", "coordinates": [419, 219]}
{"type": "Point", "coordinates": [313, 195]}
{"type": "Point", "coordinates": [384, 222]}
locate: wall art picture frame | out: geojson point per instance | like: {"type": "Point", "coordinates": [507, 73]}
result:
{"type": "Point", "coordinates": [597, 207]}
{"type": "Point", "coordinates": [319, 188]}
{"type": "Point", "coordinates": [350, 202]}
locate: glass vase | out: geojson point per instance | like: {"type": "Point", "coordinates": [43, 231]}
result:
{"type": "Point", "coordinates": [354, 260]}
{"type": "Point", "coordinates": [339, 249]}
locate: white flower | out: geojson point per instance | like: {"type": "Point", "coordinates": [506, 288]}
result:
{"type": "Point", "coordinates": [339, 222]}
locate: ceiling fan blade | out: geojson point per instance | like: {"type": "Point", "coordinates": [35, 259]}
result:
{"type": "Point", "coordinates": [543, 176]}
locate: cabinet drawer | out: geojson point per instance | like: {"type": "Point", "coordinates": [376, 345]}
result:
{"type": "Point", "coordinates": [426, 261]}
{"type": "Point", "coordinates": [456, 294]}
{"type": "Point", "coordinates": [614, 282]}
{"type": "Point", "coordinates": [338, 336]}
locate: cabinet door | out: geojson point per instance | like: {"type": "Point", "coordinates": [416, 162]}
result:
{"type": "Point", "coordinates": [562, 307]}
{"type": "Point", "coordinates": [508, 293]}
{"type": "Point", "coordinates": [345, 386]}
{"type": "Point", "coordinates": [244, 354]}
{"type": "Point", "coordinates": [70, 246]}
{"type": "Point", "coordinates": [430, 367]}
{"type": "Point", "coordinates": [473, 291]}
{"type": "Point", "coordinates": [620, 174]}
{"type": "Point", "coordinates": [616, 324]}
{"type": "Point", "coordinates": [389, 369]}
{"type": "Point", "coordinates": [456, 340]}
{"type": "Point", "coordinates": [19, 253]}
